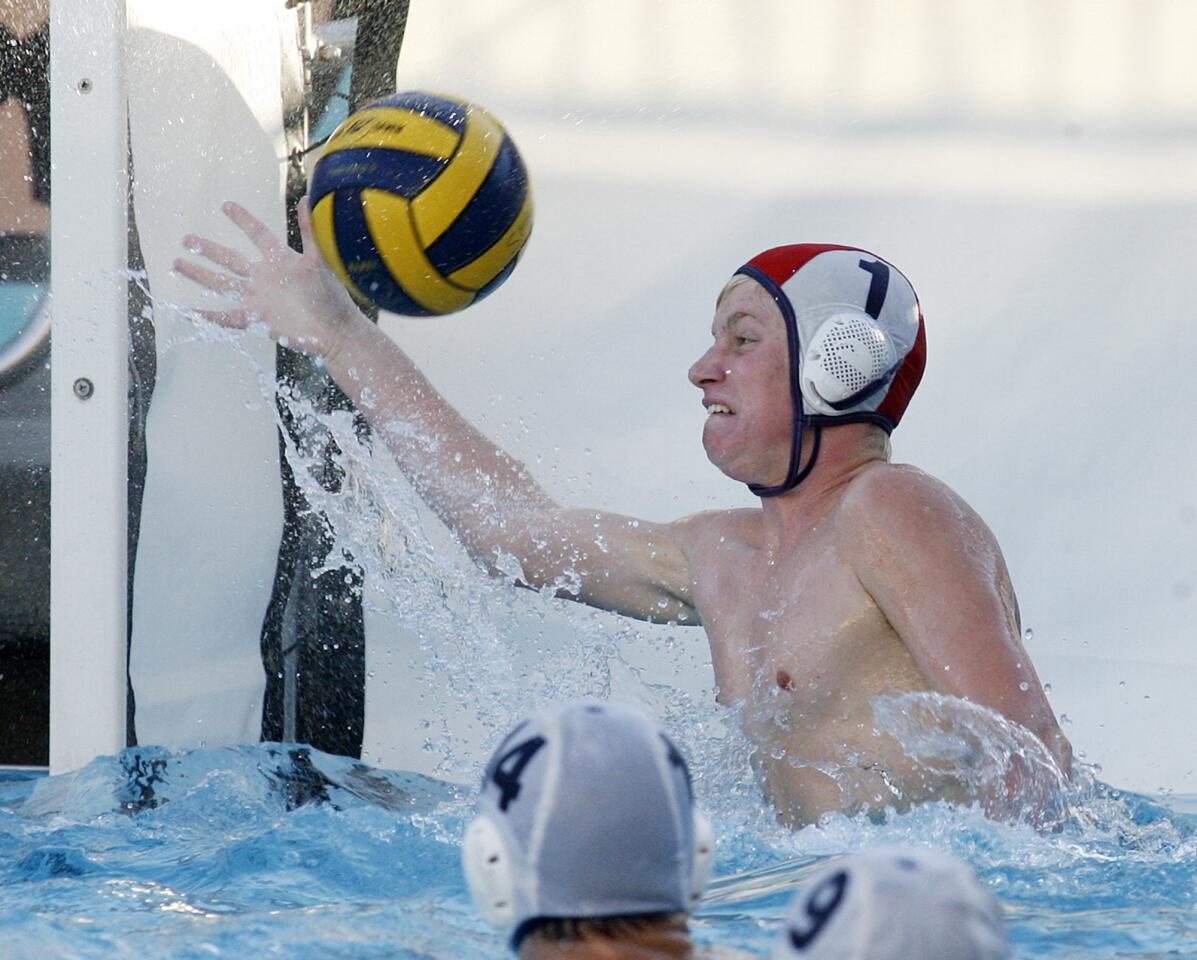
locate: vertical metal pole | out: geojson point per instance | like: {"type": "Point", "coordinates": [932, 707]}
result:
{"type": "Point", "coordinates": [89, 381]}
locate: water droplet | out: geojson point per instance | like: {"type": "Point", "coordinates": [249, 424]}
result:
{"type": "Point", "coordinates": [1028, 635]}
{"type": "Point", "coordinates": [1122, 683]}
{"type": "Point", "coordinates": [1047, 688]}
{"type": "Point", "coordinates": [1024, 686]}
{"type": "Point", "coordinates": [777, 753]}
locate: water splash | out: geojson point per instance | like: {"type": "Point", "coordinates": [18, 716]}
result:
{"type": "Point", "coordinates": [490, 652]}
{"type": "Point", "coordinates": [981, 752]}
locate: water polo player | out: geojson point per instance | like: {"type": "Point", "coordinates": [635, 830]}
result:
{"type": "Point", "coordinates": [894, 903]}
{"type": "Point", "coordinates": [586, 842]}
{"type": "Point", "coordinates": [854, 577]}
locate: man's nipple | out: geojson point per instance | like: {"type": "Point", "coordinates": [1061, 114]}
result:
{"type": "Point", "coordinates": [783, 681]}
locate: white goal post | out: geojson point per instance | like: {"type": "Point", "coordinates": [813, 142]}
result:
{"type": "Point", "coordinates": [89, 382]}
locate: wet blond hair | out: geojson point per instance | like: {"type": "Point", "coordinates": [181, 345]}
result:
{"type": "Point", "coordinates": [564, 930]}
{"type": "Point", "coordinates": [737, 280]}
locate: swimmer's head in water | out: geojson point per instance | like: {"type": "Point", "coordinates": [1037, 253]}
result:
{"type": "Point", "coordinates": [894, 903]}
{"type": "Point", "coordinates": [585, 812]}
{"type": "Point", "coordinates": [856, 342]}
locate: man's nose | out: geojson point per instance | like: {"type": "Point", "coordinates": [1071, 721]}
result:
{"type": "Point", "coordinates": [708, 368]}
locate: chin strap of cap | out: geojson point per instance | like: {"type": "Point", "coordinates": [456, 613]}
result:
{"type": "Point", "coordinates": [797, 471]}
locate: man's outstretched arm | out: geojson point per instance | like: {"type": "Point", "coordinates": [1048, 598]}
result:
{"type": "Point", "coordinates": [490, 500]}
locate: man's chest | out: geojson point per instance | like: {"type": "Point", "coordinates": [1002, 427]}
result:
{"type": "Point", "coordinates": [799, 622]}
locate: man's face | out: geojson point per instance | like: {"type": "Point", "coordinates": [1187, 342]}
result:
{"type": "Point", "coordinates": [745, 382]}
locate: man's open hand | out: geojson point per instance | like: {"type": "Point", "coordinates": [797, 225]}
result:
{"type": "Point", "coordinates": [294, 295]}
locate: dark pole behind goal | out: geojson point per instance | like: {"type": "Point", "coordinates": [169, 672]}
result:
{"type": "Point", "coordinates": [313, 636]}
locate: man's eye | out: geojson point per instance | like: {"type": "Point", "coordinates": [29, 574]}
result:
{"type": "Point", "coordinates": [744, 341]}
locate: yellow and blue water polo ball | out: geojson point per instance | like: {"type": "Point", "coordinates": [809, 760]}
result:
{"type": "Point", "coordinates": [421, 203]}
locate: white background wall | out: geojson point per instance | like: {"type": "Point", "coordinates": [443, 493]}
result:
{"type": "Point", "coordinates": [1032, 166]}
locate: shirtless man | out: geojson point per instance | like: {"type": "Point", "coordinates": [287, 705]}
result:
{"type": "Point", "coordinates": [854, 578]}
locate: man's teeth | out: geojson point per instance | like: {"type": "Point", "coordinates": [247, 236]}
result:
{"type": "Point", "coordinates": [717, 408]}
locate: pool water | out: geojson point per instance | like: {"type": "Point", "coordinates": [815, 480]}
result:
{"type": "Point", "coordinates": [267, 850]}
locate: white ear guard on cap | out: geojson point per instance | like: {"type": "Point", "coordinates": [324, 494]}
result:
{"type": "Point", "coordinates": [490, 873]}
{"type": "Point", "coordinates": [704, 857]}
{"type": "Point", "coordinates": [850, 357]}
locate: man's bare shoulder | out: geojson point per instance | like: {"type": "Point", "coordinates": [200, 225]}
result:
{"type": "Point", "coordinates": [738, 525]}
{"type": "Point", "coordinates": [898, 496]}
{"type": "Point", "coordinates": [897, 516]}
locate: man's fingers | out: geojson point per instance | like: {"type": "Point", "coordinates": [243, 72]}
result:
{"type": "Point", "coordinates": [233, 319]}
{"type": "Point", "coordinates": [254, 228]}
{"type": "Point", "coordinates": [304, 212]}
{"type": "Point", "coordinates": [218, 253]}
{"type": "Point", "coordinates": [216, 282]}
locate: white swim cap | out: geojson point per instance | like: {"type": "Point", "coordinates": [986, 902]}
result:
{"type": "Point", "coordinates": [894, 903]}
{"type": "Point", "coordinates": [586, 811]}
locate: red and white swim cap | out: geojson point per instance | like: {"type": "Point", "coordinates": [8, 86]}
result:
{"type": "Point", "coordinates": [856, 339]}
